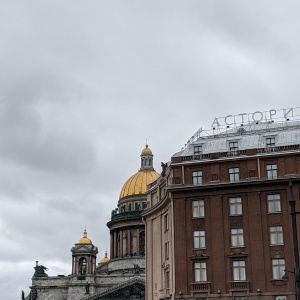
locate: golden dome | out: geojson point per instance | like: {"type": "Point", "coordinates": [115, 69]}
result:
{"type": "Point", "coordinates": [105, 259]}
{"type": "Point", "coordinates": [137, 183]}
{"type": "Point", "coordinates": [147, 151]}
{"type": "Point", "coordinates": [84, 239]}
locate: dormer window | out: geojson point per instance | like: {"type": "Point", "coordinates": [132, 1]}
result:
{"type": "Point", "coordinates": [197, 150]}
{"type": "Point", "coordinates": [270, 141]}
{"type": "Point", "coordinates": [233, 146]}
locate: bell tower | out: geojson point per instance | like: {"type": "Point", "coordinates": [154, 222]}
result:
{"type": "Point", "coordinates": [84, 255]}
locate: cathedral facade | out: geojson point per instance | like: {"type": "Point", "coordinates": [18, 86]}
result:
{"type": "Point", "coordinates": [122, 276]}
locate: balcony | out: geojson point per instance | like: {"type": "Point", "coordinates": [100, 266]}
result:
{"type": "Point", "coordinates": [126, 215]}
{"type": "Point", "coordinates": [200, 287]}
{"type": "Point", "coordinates": [164, 294]}
{"type": "Point", "coordinates": [239, 286]}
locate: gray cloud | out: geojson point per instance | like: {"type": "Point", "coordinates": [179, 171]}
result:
{"type": "Point", "coordinates": [83, 84]}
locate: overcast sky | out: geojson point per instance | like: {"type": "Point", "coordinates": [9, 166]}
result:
{"type": "Point", "coordinates": [83, 84]}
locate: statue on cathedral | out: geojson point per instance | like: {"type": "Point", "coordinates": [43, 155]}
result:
{"type": "Point", "coordinates": [87, 288]}
{"type": "Point", "coordinates": [114, 212]}
{"type": "Point", "coordinates": [23, 295]}
{"type": "Point", "coordinates": [82, 266]}
{"type": "Point", "coordinates": [164, 168]}
{"type": "Point", "coordinates": [40, 271]}
{"type": "Point", "coordinates": [136, 269]}
{"type": "Point", "coordinates": [33, 294]}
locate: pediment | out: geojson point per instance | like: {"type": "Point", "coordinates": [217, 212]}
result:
{"type": "Point", "coordinates": [134, 287]}
{"type": "Point", "coordinates": [81, 248]}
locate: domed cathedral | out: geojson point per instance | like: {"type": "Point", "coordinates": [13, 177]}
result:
{"type": "Point", "coordinates": [127, 231]}
{"type": "Point", "coordinates": [122, 276]}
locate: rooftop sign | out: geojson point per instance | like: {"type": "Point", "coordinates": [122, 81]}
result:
{"type": "Point", "coordinates": [272, 115]}
{"type": "Point", "coordinates": [283, 114]}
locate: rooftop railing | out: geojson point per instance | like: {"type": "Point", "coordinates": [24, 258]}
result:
{"type": "Point", "coordinates": [240, 152]}
{"type": "Point", "coordinates": [127, 214]}
{"type": "Point", "coordinates": [172, 183]}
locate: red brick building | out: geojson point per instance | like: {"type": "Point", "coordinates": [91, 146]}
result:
{"type": "Point", "coordinates": [219, 225]}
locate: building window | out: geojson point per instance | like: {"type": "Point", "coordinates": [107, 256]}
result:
{"type": "Point", "coordinates": [278, 267]}
{"type": "Point", "coordinates": [197, 177]}
{"type": "Point", "coordinates": [198, 209]}
{"type": "Point", "coordinates": [237, 237]}
{"type": "Point", "coordinates": [233, 146]}
{"type": "Point", "coordinates": [166, 222]}
{"type": "Point", "coordinates": [276, 235]}
{"type": "Point", "coordinates": [82, 266]}
{"type": "Point", "coordinates": [136, 206]}
{"type": "Point", "coordinates": [271, 171]}
{"type": "Point", "coordinates": [270, 141]}
{"type": "Point", "coordinates": [239, 270]}
{"type": "Point", "coordinates": [129, 206]}
{"type": "Point", "coordinates": [235, 206]}
{"type": "Point", "coordinates": [274, 205]}
{"type": "Point", "coordinates": [200, 271]}
{"type": "Point", "coordinates": [199, 239]}
{"type": "Point", "coordinates": [144, 205]}
{"type": "Point", "coordinates": [166, 250]}
{"type": "Point", "coordinates": [234, 174]}
{"type": "Point", "coordinates": [280, 298]}
{"type": "Point", "coordinates": [197, 150]}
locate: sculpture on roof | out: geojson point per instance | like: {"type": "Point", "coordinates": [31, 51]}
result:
{"type": "Point", "coordinates": [164, 168]}
{"type": "Point", "coordinates": [40, 271]}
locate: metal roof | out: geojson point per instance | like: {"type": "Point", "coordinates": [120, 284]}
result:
{"type": "Point", "coordinates": [250, 136]}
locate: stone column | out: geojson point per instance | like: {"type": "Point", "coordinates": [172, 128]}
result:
{"type": "Point", "coordinates": [121, 243]}
{"type": "Point", "coordinates": [128, 242]}
{"type": "Point", "coordinates": [111, 245]}
{"type": "Point", "coordinates": [138, 241]}
{"type": "Point", "coordinates": [115, 243]}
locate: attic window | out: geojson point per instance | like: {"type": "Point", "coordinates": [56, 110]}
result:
{"type": "Point", "coordinates": [241, 130]}
{"type": "Point", "coordinates": [233, 146]}
{"type": "Point", "coordinates": [270, 141]}
{"type": "Point", "coordinates": [197, 150]}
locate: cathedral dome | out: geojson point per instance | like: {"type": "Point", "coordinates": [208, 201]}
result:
{"type": "Point", "coordinates": [84, 239]}
{"type": "Point", "coordinates": [137, 183]}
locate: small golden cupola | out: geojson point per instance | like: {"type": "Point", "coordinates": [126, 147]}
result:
{"type": "Point", "coordinates": [105, 259]}
{"type": "Point", "coordinates": [85, 239]}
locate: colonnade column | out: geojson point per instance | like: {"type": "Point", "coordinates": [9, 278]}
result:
{"type": "Point", "coordinates": [111, 245]}
{"type": "Point", "coordinates": [121, 243]}
{"type": "Point", "coordinates": [138, 241]}
{"type": "Point", "coordinates": [115, 244]}
{"type": "Point", "coordinates": [128, 242]}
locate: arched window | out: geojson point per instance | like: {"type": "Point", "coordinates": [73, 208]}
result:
{"type": "Point", "coordinates": [82, 266]}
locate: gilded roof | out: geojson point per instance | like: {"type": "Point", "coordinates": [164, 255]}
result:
{"type": "Point", "coordinates": [84, 239]}
{"type": "Point", "coordinates": [137, 183]}
{"type": "Point", "coordinates": [105, 259]}
{"type": "Point", "coordinates": [147, 151]}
